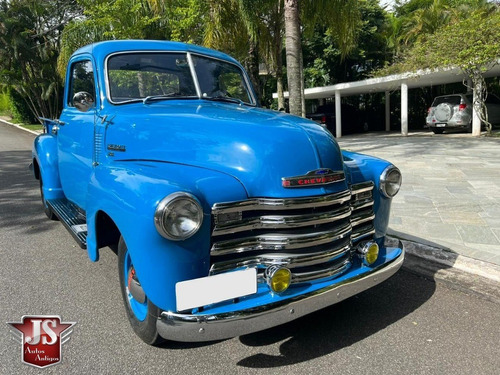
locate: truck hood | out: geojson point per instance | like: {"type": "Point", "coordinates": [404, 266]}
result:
{"type": "Point", "coordinates": [257, 147]}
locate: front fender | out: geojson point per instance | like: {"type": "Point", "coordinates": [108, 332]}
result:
{"type": "Point", "coordinates": [45, 154]}
{"type": "Point", "coordinates": [129, 193]}
{"type": "Point", "coordinates": [360, 168]}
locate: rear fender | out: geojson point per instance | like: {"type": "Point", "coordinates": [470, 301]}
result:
{"type": "Point", "coordinates": [45, 156]}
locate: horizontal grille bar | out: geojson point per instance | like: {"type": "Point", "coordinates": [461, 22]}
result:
{"type": "Point", "coordinates": [282, 221]}
{"type": "Point", "coordinates": [280, 204]}
{"type": "Point", "coordinates": [361, 187]}
{"type": "Point", "coordinates": [362, 232]}
{"type": "Point", "coordinates": [280, 241]}
{"type": "Point", "coordinates": [360, 218]}
{"type": "Point", "coordinates": [283, 259]}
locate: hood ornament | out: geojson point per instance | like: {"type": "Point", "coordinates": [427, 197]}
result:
{"type": "Point", "coordinates": [317, 177]}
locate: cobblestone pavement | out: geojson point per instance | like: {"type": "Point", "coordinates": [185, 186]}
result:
{"type": "Point", "coordinates": [450, 197]}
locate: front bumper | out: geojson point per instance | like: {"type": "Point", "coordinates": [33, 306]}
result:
{"type": "Point", "coordinates": [193, 328]}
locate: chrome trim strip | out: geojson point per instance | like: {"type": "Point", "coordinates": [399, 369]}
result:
{"type": "Point", "coordinates": [359, 205]}
{"type": "Point", "coordinates": [360, 234]}
{"type": "Point", "coordinates": [193, 74]}
{"type": "Point", "coordinates": [361, 187]}
{"type": "Point", "coordinates": [290, 260]}
{"type": "Point", "coordinates": [280, 204]}
{"type": "Point", "coordinates": [281, 222]}
{"type": "Point", "coordinates": [279, 241]}
{"type": "Point", "coordinates": [198, 328]}
{"type": "Point", "coordinates": [360, 218]}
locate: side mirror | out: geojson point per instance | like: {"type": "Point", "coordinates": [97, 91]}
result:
{"type": "Point", "coordinates": [83, 101]}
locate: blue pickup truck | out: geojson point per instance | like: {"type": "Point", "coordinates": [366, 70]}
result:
{"type": "Point", "coordinates": [227, 218]}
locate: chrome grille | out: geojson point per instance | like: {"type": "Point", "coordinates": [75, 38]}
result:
{"type": "Point", "coordinates": [312, 236]}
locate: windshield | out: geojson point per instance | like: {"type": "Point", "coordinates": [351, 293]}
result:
{"type": "Point", "coordinates": [149, 76]}
{"type": "Point", "coordinates": [219, 79]}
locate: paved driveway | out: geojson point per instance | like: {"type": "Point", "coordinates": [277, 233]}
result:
{"type": "Point", "coordinates": [451, 188]}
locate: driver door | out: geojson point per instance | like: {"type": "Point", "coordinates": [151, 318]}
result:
{"type": "Point", "coordinates": [76, 133]}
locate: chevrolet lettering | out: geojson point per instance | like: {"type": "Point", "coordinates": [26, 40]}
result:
{"type": "Point", "coordinates": [318, 177]}
{"type": "Point", "coordinates": [226, 218]}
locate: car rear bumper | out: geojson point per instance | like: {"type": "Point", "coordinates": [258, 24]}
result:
{"type": "Point", "coordinates": [193, 328]}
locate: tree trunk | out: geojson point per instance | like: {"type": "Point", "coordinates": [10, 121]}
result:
{"type": "Point", "coordinates": [279, 85]}
{"type": "Point", "coordinates": [302, 96]}
{"type": "Point", "coordinates": [279, 68]}
{"type": "Point", "coordinates": [277, 54]}
{"type": "Point", "coordinates": [293, 53]}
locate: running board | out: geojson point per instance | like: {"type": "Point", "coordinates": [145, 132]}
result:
{"type": "Point", "coordinates": [72, 217]}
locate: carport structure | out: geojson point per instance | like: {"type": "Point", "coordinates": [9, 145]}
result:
{"type": "Point", "coordinates": [387, 84]}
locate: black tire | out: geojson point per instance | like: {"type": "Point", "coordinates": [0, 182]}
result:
{"type": "Point", "coordinates": [437, 130]}
{"type": "Point", "coordinates": [144, 322]}
{"type": "Point", "coordinates": [48, 211]}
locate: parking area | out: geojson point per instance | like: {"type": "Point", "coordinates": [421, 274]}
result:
{"type": "Point", "coordinates": [450, 196]}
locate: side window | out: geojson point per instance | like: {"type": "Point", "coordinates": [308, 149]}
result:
{"type": "Point", "coordinates": [81, 79]}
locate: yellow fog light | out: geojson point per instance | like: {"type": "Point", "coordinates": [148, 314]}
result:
{"type": "Point", "coordinates": [368, 253]}
{"type": "Point", "coordinates": [278, 278]}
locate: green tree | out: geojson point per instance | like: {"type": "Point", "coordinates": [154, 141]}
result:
{"type": "Point", "coordinates": [179, 20]}
{"type": "Point", "coordinates": [471, 44]}
{"type": "Point", "coordinates": [251, 30]}
{"type": "Point", "coordinates": [342, 18]}
{"type": "Point", "coordinates": [415, 20]}
{"type": "Point", "coordinates": [323, 60]}
{"type": "Point", "coordinates": [30, 34]}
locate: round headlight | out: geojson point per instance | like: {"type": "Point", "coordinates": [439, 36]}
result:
{"type": "Point", "coordinates": [178, 216]}
{"type": "Point", "coordinates": [390, 181]}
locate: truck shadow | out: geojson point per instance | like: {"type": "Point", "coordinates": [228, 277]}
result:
{"type": "Point", "coordinates": [343, 324]}
{"type": "Point", "coordinates": [20, 204]}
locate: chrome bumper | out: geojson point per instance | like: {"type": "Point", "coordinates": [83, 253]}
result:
{"type": "Point", "coordinates": [192, 328]}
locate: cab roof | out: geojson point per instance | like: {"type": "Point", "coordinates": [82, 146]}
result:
{"type": "Point", "coordinates": [102, 49]}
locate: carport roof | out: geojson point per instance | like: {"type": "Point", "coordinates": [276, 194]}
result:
{"type": "Point", "coordinates": [420, 78]}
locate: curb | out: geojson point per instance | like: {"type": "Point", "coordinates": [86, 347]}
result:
{"type": "Point", "coordinates": [466, 274]}
{"type": "Point", "coordinates": [19, 127]}
{"type": "Point", "coordinates": [449, 259]}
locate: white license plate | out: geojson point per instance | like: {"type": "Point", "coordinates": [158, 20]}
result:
{"type": "Point", "coordinates": [440, 125]}
{"type": "Point", "coordinates": [213, 289]}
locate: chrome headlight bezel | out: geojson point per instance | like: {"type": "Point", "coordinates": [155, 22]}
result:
{"type": "Point", "coordinates": [390, 181]}
{"type": "Point", "coordinates": [171, 205]}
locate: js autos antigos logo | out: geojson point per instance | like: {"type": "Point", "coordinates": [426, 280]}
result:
{"type": "Point", "coordinates": [41, 338]}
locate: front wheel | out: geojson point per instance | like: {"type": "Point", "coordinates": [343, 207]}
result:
{"type": "Point", "coordinates": [141, 312]}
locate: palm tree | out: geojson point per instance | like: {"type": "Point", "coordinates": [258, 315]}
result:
{"type": "Point", "coordinates": [252, 31]}
{"type": "Point", "coordinates": [425, 21]}
{"type": "Point", "coordinates": [341, 17]}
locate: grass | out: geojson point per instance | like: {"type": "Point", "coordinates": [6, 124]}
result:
{"type": "Point", "coordinates": [6, 112]}
{"type": "Point", "coordinates": [4, 105]}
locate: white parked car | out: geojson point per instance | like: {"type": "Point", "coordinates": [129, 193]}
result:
{"type": "Point", "coordinates": [455, 112]}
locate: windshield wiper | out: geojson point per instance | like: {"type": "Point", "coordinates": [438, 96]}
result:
{"type": "Point", "coordinates": [224, 99]}
{"type": "Point", "coordinates": [172, 95]}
